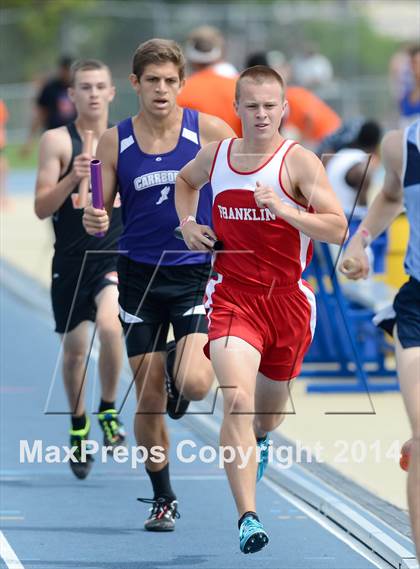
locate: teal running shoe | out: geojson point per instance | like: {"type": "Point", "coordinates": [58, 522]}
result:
{"type": "Point", "coordinates": [263, 445]}
{"type": "Point", "coordinates": [252, 536]}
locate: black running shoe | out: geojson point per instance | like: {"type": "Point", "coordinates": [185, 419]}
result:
{"type": "Point", "coordinates": [163, 514]}
{"type": "Point", "coordinates": [176, 405]}
{"type": "Point", "coordinates": [80, 467]}
{"type": "Point", "coordinates": [113, 429]}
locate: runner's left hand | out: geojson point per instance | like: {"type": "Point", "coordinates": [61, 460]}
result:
{"type": "Point", "coordinates": [265, 196]}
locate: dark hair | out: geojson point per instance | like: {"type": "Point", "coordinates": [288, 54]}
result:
{"type": "Point", "coordinates": [369, 135]}
{"type": "Point", "coordinates": [158, 51]}
{"type": "Point", "coordinates": [65, 61]}
{"type": "Point", "coordinates": [257, 58]}
{"type": "Point", "coordinates": [86, 65]}
{"type": "Point", "coordinates": [259, 74]}
{"type": "Point", "coordinates": [414, 50]}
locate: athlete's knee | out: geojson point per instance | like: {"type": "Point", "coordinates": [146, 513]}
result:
{"type": "Point", "coordinates": [195, 386]}
{"type": "Point", "coordinates": [109, 330]}
{"type": "Point", "coordinates": [238, 401]}
{"type": "Point", "coordinates": [151, 396]}
{"type": "Point", "coordinates": [151, 401]}
{"type": "Point", "coordinates": [268, 421]}
{"type": "Point", "coordinates": [74, 359]}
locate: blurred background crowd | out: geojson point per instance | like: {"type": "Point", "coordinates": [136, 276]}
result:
{"type": "Point", "coordinates": [352, 70]}
{"type": "Point", "coordinates": [358, 57]}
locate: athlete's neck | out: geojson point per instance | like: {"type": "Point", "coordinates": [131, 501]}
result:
{"type": "Point", "coordinates": [254, 147]}
{"type": "Point", "coordinates": [158, 127]}
{"type": "Point", "coordinates": [98, 126]}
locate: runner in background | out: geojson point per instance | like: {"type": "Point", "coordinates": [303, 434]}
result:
{"type": "Point", "coordinates": [401, 189]}
{"type": "Point", "coordinates": [84, 279]}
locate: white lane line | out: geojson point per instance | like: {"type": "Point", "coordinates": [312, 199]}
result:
{"type": "Point", "coordinates": [8, 555]}
{"type": "Point", "coordinates": [328, 525]}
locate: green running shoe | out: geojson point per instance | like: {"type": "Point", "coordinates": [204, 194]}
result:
{"type": "Point", "coordinates": [80, 467]}
{"type": "Point", "coordinates": [113, 429]}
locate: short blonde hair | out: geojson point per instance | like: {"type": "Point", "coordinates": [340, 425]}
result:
{"type": "Point", "coordinates": [87, 65]}
{"type": "Point", "coordinates": [259, 74]}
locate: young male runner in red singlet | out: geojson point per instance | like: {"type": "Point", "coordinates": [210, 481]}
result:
{"type": "Point", "coordinates": [270, 198]}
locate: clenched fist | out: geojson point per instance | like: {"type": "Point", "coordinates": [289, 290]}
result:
{"type": "Point", "coordinates": [95, 220]}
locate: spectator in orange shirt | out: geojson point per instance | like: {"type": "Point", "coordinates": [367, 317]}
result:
{"type": "Point", "coordinates": [310, 119]}
{"type": "Point", "coordinates": [4, 115]}
{"type": "Point", "coordinates": [313, 118]}
{"type": "Point", "coordinates": [211, 87]}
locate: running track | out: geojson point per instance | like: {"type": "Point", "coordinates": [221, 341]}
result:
{"type": "Point", "coordinates": [51, 520]}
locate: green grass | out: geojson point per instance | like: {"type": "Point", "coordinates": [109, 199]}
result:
{"type": "Point", "coordinates": [17, 162]}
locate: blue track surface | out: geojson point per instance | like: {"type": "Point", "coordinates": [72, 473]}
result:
{"type": "Point", "coordinates": [54, 521]}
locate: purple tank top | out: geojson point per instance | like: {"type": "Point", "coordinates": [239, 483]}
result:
{"type": "Point", "coordinates": [147, 188]}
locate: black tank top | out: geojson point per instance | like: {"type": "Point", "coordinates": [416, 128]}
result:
{"type": "Point", "coordinates": [71, 239]}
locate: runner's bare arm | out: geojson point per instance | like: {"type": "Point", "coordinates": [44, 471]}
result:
{"type": "Point", "coordinates": [308, 179]}
{"type": "Point", "coordinates": [213, 129]}
{"type": "Point", "coordinates": [188, 183]}
{"type": "Point", "coordinates": [191, 178]}
{"type": "Point", "coordinates": [97, 220]}
{"type": "Point", "coordinates": [54, 155]}
{"type": "Point", "coordinates": [389, 201]}
{"type": "Point", "coordinates": [387, 205]}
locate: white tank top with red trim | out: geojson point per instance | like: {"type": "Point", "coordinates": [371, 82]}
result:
{"type": "Point", "coordinates": [259, 249]}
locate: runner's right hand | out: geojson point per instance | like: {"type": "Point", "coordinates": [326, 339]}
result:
{"type": "Point", "coordinates": [81, 167]}
{"type": "Point", "coordinates": [198, 237]}
{"type": "Point", "coordinates": [95, 220]}
{"type": "Point", "coordinates": [355, 262]}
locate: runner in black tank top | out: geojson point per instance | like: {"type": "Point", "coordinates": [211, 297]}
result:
{"type": "Point", "coordinates": [84, 275]}
{"type": "Point", "coordinates": [71, 239]}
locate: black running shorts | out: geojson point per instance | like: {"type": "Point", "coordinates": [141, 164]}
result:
{"type": "Point", "coordinates": [73, 291]}
{"type": "Point", "coordinates": [151, 298]}
{"type": "Point", "coordinates": [405, 313]}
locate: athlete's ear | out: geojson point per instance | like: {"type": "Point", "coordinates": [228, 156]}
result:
{"type": "Point", "coordinates": [70, 93]}
{"type": "Point", "coordinates": [134, 81]}
{"type": "Point", "coordinates": [285, 111]}
{"type": "Point", "coordinates": [111, 93]}
{"type": "Point", "coordinates": [235, 106]}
